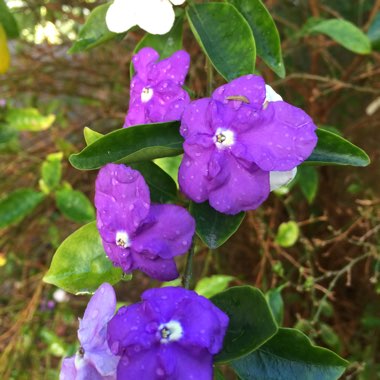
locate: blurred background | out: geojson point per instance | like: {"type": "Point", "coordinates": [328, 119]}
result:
{"type": "Point", "coordinates": [315, 243]}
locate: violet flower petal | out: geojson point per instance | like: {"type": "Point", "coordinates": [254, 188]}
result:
{"type": "Point", "coordinates": [143, 365]}
{"type": "Point", "coordinates": [185, 364]}
{"type": "Point", "coordinates": [158, 268]}
{"type": "Point", "coordinates": [139, 331]}
{"type": "Point", "coordinates": [284, 139]}
{"type": "Point", "coordinates": [167, 104]}
{"type": "Point", "coordinates": [168, 233]}
{"type": "Point", "coordinates": [122, 198]}
{"type": "Point", "coordinates": [193, 172]}
{"type": "Point", "coordinates": [196, 119]}
{"type": "Point", "coordinates": [246, 189]}
{"type": "Point", "coordinates": [100, 309]}
{"type": "Point", "coordinates": [143, 61]}
{"type": "Point", "coordinates": [252, 87]}
{"type": "Point", "coordinates": [174, 68]}
{"type": "Point", "coordinates": [68, 370]}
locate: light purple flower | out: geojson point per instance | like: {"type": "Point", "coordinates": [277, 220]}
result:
{"type": "Point", "coordinates": [234, 140]}
{"type": "Point", "coordinates": [94, 359]}
{"type": "Point", "coordinates": [172, 334]}
{"type": "Point", "coordinates": [136, 234]}
{"type": "Point", "coordinates": [156, 89]}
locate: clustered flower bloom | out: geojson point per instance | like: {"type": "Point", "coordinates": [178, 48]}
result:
{"type": "Point", "coordinates": [156, 93]}
{"type": "Point", "coordinates": [172, 334]}
{"type": "Point", "coordinates": [94, 360]}
{"type": "Point", "coordinates": [239, 138]}
{"type": "Point", "coordinates": [154, 16]}
{"type": "Point", "coordinates": [135, 233]}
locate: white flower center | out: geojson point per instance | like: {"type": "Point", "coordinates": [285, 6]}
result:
{"type": "Point", "coordinates": [224, 138]}
{"type": "Point", "coordinates": [146, 94]}
{"type": "Point", "coordinates": [122, 239]}
{"type": "Point", "coordinates": [170, 332]}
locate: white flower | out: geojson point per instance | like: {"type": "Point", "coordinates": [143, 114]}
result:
{"type": "Point", "coordinates": [280, 179]}
{"type": "Point", "coordinates": [154, 16]}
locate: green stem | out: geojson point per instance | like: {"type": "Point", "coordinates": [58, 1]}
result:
{"type": "Point", "coordinates": [188, 273]}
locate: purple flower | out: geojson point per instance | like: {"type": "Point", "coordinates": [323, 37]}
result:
{"type": "Point", "coordinates": [156, 89]}
{"type": "Point", "coordinates": [94, 359]}
{"type": "Point", "coordinates": [136, 234]}
{"type": "Point", "coordinates": [172, 334]}
{"type": "Point", "coordinates": [236, 139]}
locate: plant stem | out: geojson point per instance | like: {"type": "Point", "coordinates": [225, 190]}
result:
{"type": "Point", "coordinates": [188, 273]}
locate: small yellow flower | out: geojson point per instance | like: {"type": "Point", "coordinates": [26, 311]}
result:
{"type": "Point", "coordinates": [4, 52]}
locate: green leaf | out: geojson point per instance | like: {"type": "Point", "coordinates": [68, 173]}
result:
{"type": "Point", "coordinates": [91, 136]}
{"type": "Point", "coordinates": [209, 286]}
{"type": "Point", "coordinates": [162, 187]}
{"type": "Point", "coordinates": [51, 171]}
{"type": "Point", "coordinates": [290, 355]}
{"type": "Point", "coordinates": [374, 32]}
{"type": "Point", "coordinates": [170, 165]}
{"type": "Point", "coordinates": [335, 150]}
{"type": "Point", "coordinates": [276, 303]}
{"type": "Point", "coordinates": [308, 180]}
{"type": "Point", "coordinates": [28, 119]}
{"type": "Point", "coordinates": [94, 32]}
{"type": "Point", "coordinates": [80, 264]}
{"type": "Point", "coordinates": [225, 37]}
{"type": "Point", "coordinates": [344, 33]}
{"type": "Point", "coordinates": [213, 227]}
{"type": "Point", "coordinates": [17, 205]}
{"type": "Point", "coordinates": [74, 205]}
{"type": "Point", "coordinates": [287, 234]}
{"type": "Point", "coordinates": [264, 30]}
{"type": "Point", "coordinates": [165, 44]}
{"type": "Point", "coordinates": [251, 321]}
{"type": "Point", "coordinates": [8, 21]}
{"type": "Point", "coordinates": [130, 145]}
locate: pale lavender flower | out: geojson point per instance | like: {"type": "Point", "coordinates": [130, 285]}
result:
{"type": "Point", "coordinates": [172, 334]}
{"type": "Point", "coordinates": [156, 89]}
{"type": "Point", "coordinates": [136, 234]}
{"type": "Point", "coordinates": [94, 360]}
{"type": "Point", "coordinates": [236, 139]}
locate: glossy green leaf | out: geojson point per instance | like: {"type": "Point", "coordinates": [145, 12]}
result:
{"type": "Point", "coordinates": [290, 355]}
{"type": "Point", "coordinates": [264, 30]}
{"type": "Point", "coordinates": [80, 264]}
{"type": "Point", "coordinates": [251, 321]}
{"type": "Point", "coordinates": [209, 286]}
{"type": "Point", "coordinates": [276, 303]}
{"type": "Point", "coordinates": [74, 205]}
{"type": "Point", "coordinates": [162, 187]}
{"type": "Point", "coordinates": [8, 21]}
{"type": "Point", "coordinates": [91, 136]}
{"type": "Point", "coordinates": [51, 172]}
{"type": "Point", "coordinates": [28, 119]}
{"type": "Point", "coordinates": [17, 205]}
{"type": "Point", "coordinates": [129, 145]}
{"type": "Point", "coordinates": [308, 180]}
{"type": "Point", "coordinates": [94, 32]}
{"type": "Point", "coordinates": [170, 165]}
{"type": "Point", "coordinates": [218, 375]}
{"type": "Point", "coordinates": [164, 44]}
{"type": "Point", "coordinates": [213, 227]}
{"type": "Point", "coordinates": [287, 234]}
{"type": "Point", "coordinates": [335, 150]}
{"type": "Point", "coordinates": [374, 32]}
{"type": "Point", "coordinates": [225, 37]}
{"type": "Point", "coordinates": [344, 33]}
